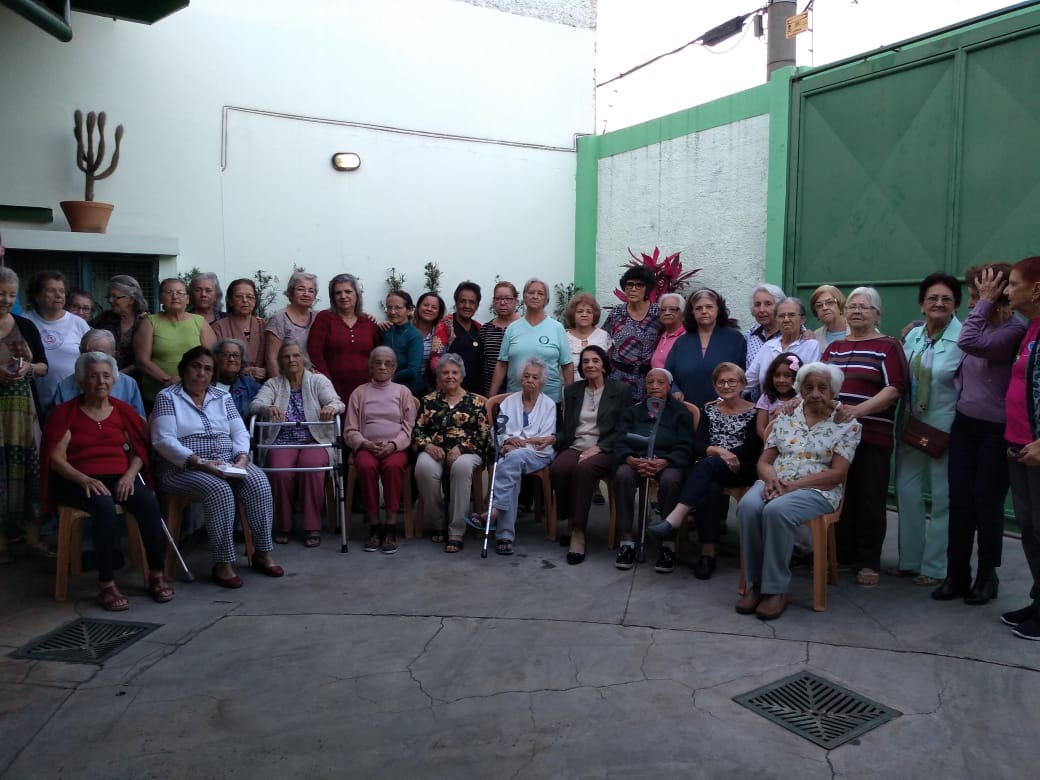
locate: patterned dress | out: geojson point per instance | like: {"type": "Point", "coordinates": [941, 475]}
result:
{"type": "Point", "coordinates": [634, 344]}
{"type": "Point", "coordinates": [19, 436]}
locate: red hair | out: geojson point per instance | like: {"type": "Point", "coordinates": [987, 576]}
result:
{"type": "Point", "coordinates": [1028, 269]}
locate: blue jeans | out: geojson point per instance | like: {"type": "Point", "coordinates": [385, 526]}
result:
{"type": "Point", "coordinates": [511, 467]}
{"type": "Point", "coordinates": [767, 534]}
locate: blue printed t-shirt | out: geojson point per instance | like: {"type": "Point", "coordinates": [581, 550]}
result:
{"type": "Point", "coordinates": [546, 340]}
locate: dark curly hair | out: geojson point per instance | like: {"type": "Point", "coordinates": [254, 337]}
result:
{"type": "Point", "coordinates": [642, 274]}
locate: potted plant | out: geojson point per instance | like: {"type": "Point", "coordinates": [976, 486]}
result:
{"type": "Point", "coordinates": [667, 271]}
{"type": "Point", "coordinates": [88, 216]}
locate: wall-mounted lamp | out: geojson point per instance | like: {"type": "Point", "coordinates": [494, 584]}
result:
{"type": "Point", "coordinates": [346, 161]}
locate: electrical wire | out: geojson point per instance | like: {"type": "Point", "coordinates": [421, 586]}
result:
{"type": "Point", "coordinates": [696, 40]}
{"type": "Point", "coordinates": [743, 35]}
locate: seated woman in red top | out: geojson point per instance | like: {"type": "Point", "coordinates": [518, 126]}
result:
{"type": "Point", "coordinates": [94, 453]}
{"type": "Point", "coordinates": [341, 338]}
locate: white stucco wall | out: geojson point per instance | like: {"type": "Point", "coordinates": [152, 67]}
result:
{"type": "Point", "coordinates": [515, 74]}
{"type": "Point", "coordinates": [703, 194]}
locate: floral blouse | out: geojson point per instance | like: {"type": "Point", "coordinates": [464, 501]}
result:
{"type": "Point", "coordinates": [464, 425]}
{"type": "Point", "coordinates": [728, 430]}
{"type": "Point", "coordinates": [634, 343]}
{"type": "Point", "coordinates": [805, 450]}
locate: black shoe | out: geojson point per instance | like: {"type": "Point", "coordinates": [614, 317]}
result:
{"type": "Point", "coordinates": [375, 539]}
{"type": "Point", "coordinates": [662, 530]}
{"type": "Point", "coordinates": [1028, 629]}
{"type": "Point", "coordinates": [704, 567]}
{"type": "Point", "coordinates": [951, 588]}
{"type": "Point", "coordinates": [626, 557]}
{"type": "Point", "coordinates": [574, 558]}
{"type": "Point", "coordinates": [1018, 616]}
{"type": "Point", "coordinates": [665, 560]}
{"type": "Point", "coordinates": [985, 588]}
{"type": "Point", "coordinates": [389, 546]}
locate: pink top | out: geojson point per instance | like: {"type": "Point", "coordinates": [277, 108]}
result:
{"type": "Point", "coordinates": [664, 346]}
{"type": "Point", "coordinates": [1018, 430]}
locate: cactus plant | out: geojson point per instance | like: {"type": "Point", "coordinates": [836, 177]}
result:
{"type": "Point", "coordinates": [88, 160]}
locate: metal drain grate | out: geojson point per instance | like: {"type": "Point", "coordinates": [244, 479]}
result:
{"type": "Point", "coordinates": [85, 641]}
{"type": "Point", "coordinates": [817, 709]}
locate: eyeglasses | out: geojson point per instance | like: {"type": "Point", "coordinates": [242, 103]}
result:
{"type": "Point", "coordinates": [858, 307]}
{"type": "Point", "coordinates": [243, 297]}
{"type": "Point", "coordinates": [176, 293]}
{"type": "Point", "coordinates": [396, 308]}
{"type": "Point", "coordinates": [504, 298]}
{"type": "Point", "coordinates": [946, 300]}
{"type": "Point", "coordinates": [788, 316]}
{"type": "Point", "coordinates": [113, 297]}
{"type": "Point", "coordinates": [727, 382]}
{"type": "Point", "coordinates": [305, 290]}
{"type": "Point", "coordinates": [230, 357]}
{"type": "Point", "coordinates": [634, 285]}
{"type": "Point", "coordinates": [828, 303]}
{"type": "Point", "coordinates": [669, 308]}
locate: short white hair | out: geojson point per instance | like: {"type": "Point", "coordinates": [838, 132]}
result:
{"type": "Point", "coordinates": [665, 371]}
{"type": "Point", "coordinates": [871, 293]}
{"type": "Point", "coordinates": [677, 297]}
{"type": "Point", "coordinates": [775, 292]}
{"type": "Point", "coordinates": [834, 375]}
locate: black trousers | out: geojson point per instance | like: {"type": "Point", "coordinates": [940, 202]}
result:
{"type": "Point", "coordinates": [860, 533]}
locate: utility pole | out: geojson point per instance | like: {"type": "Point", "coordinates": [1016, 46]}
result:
{"type": "Point", "coordinates": [780, 50]}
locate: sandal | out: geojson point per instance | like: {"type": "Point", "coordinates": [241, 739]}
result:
{"type": "Point", "coordinates": [111, 600]}
{"type": "Point", "coordinates": [925, 581]}
{"type": "Point", "coordinates": [504, 546]}
{"type": "Point", "coordinates": [281, 537]}
{"type": "Point", "coordinates": [313, 539]}
{"type": "Point", "coordinates": [437, 537]}
{"type": "Point", "coordinates": [867, 578]}
{"type": "Point", "coordinates": [160, 588]}
{"type": "Point", "coordinates": [453, 545]}
{"type": "Point", "coordinates": [480, 523]}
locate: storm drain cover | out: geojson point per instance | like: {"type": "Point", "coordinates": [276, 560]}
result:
{"type": "Point", "coordinates": [85, 641]}
{"type": "Point", "coordinates": [817, 709]}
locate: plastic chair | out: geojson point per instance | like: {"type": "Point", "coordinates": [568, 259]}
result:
{"type": "Point", "coordinates": [542, 476]}
{"type": "Point", "coordinates": [70, 547]}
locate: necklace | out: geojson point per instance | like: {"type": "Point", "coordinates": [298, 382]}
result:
{"type": "Point", "coordinates": [593, 397]}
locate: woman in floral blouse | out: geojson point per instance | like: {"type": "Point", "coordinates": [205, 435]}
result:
{"type": "Point", "coordinates": [800, 476]}
{"type": "Point", "coordinates": [634, 329]}
{"type": "Point", "coordinates": [451, 430]}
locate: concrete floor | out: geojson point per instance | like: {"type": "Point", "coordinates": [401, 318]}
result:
{"type": "Point", "coordinates": [428, 665]}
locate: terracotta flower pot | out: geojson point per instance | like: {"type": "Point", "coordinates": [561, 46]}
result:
{"type": "Point", "coordinates": [87, 216]}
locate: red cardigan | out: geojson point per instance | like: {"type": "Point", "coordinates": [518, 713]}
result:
{"type": "Point", "coordinates": [58, 425]}
{"type": "Point", "coordinates": [341, 353]}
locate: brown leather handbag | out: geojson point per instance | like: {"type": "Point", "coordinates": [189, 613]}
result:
{"type": "Point", "coordinates": [924, 437]}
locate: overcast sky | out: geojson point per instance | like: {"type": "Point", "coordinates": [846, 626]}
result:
{"type": "Point", "coordinates": [632, 31]}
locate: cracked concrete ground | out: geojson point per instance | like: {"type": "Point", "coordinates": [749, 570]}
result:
{"type": "Point", "coordinates": [428, 665]}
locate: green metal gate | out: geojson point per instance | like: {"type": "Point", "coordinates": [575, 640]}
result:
{"type": "Point", "coordinates": [922, 158]}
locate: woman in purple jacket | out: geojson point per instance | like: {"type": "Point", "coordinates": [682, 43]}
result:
{"type": "Point", "coordinates": [978, 469]}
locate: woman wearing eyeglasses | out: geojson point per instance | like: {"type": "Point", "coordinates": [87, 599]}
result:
{"type": "Point", "coordinates": [127, 308]}
{"type": "Point", "coordinates": [242, 324]}
{"type": "Point", "coordinates": [828, 304]}
{"type": "Point", "coordinates": [504, 305]}
{"type": "Point", "coordinates": [634, 329]}
{"type": "Point", "coordinates": [670, 306]}
{"type": "Point", "coordinates": [790, 314]}
{"type": "Point", "coordinates": [934, 358]}
{"type": "Point", "coordinates": [876, 376]}
{"type": "Point", "coordinates": [294, 321]}
{"type": "Point", "coordinates": [162, 339]}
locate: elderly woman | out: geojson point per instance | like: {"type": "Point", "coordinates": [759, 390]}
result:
{"type": "Point", "coordinates": [800, 475]}
{"type": "Point", "coordinates": [978, 472]}
{"type": "Point", "coordinates": [586, 441]}
{"type": "Point", "coordinates": [124, 388]}
{"type": "Point", "coordinates": [294, 321]}
{"type": "Point", "coordinates": [634, 329]}
{"type": "Point", "coordinates": [459, 333]}
{"type": "Point", "coordinates": [22, 357]}
{"type": "Point", "coordinates": [790, 314]}
{"type": "Point", "coordinates": [241, 323]}
{"type": "Point", "coordinates": [504, 305]}
{"type": "Point", "coordinates": [342, 338]}
{"type": "Point", "coordinates": [127, 306]}
{"type": "Point", "coordinates": [535, 335]}
{"type": "Point", "coordinates": [59, 331]}
{"type": "Point", "coordinates": [162, 339]}
{"type": "Point", "coordinates": [530, 431]}
{"type": "Point", "coordinates": [581, 318]}
{"type": "Point", "coordinates": [95, 452]}
{"type": "Point", "coordinates": [298, 395]}
{"type": "Point", "coordinates": [204, 447]}
{"type": "Point", "coordinates": [709, 340]}
{"type": "Point", "coordinates": [451, 432]}
{"type": "Point", "coordinates": [206, 297]}
{"type": "Point", "coordinates": [673, 451]}
{"type": "Point", "coordinates": [670, 306]}
{"type": "Point", "coordinates": [378, 429]}
{"type": "Point", "coordinates": [828, 305]}
{"type": "Point", "coordinates": [726, 447]}
{"type": "Point", "coordinates": [934, 359]}
{"type": "Point", "coordinates": [876, 376]}
{"type": "Point", "coordinates": [230, 374]}
{"type": "Point", "coordinates": [764, 300]}
{"type": "Point", "coordinates": [1023, 438]}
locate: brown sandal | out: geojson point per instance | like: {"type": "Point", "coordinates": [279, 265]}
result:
{"type": "Point", "coordinates": [312, 539]}
{"type": "Point", "coordinates": [160, 588]}
{"type": "Point", "coordinates": [111, 600]}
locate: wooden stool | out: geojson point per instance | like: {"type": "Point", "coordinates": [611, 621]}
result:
{"type": "Point", "coordinates": [174, 507]}
{"type": "Point", "coordinates": [70, 547]}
